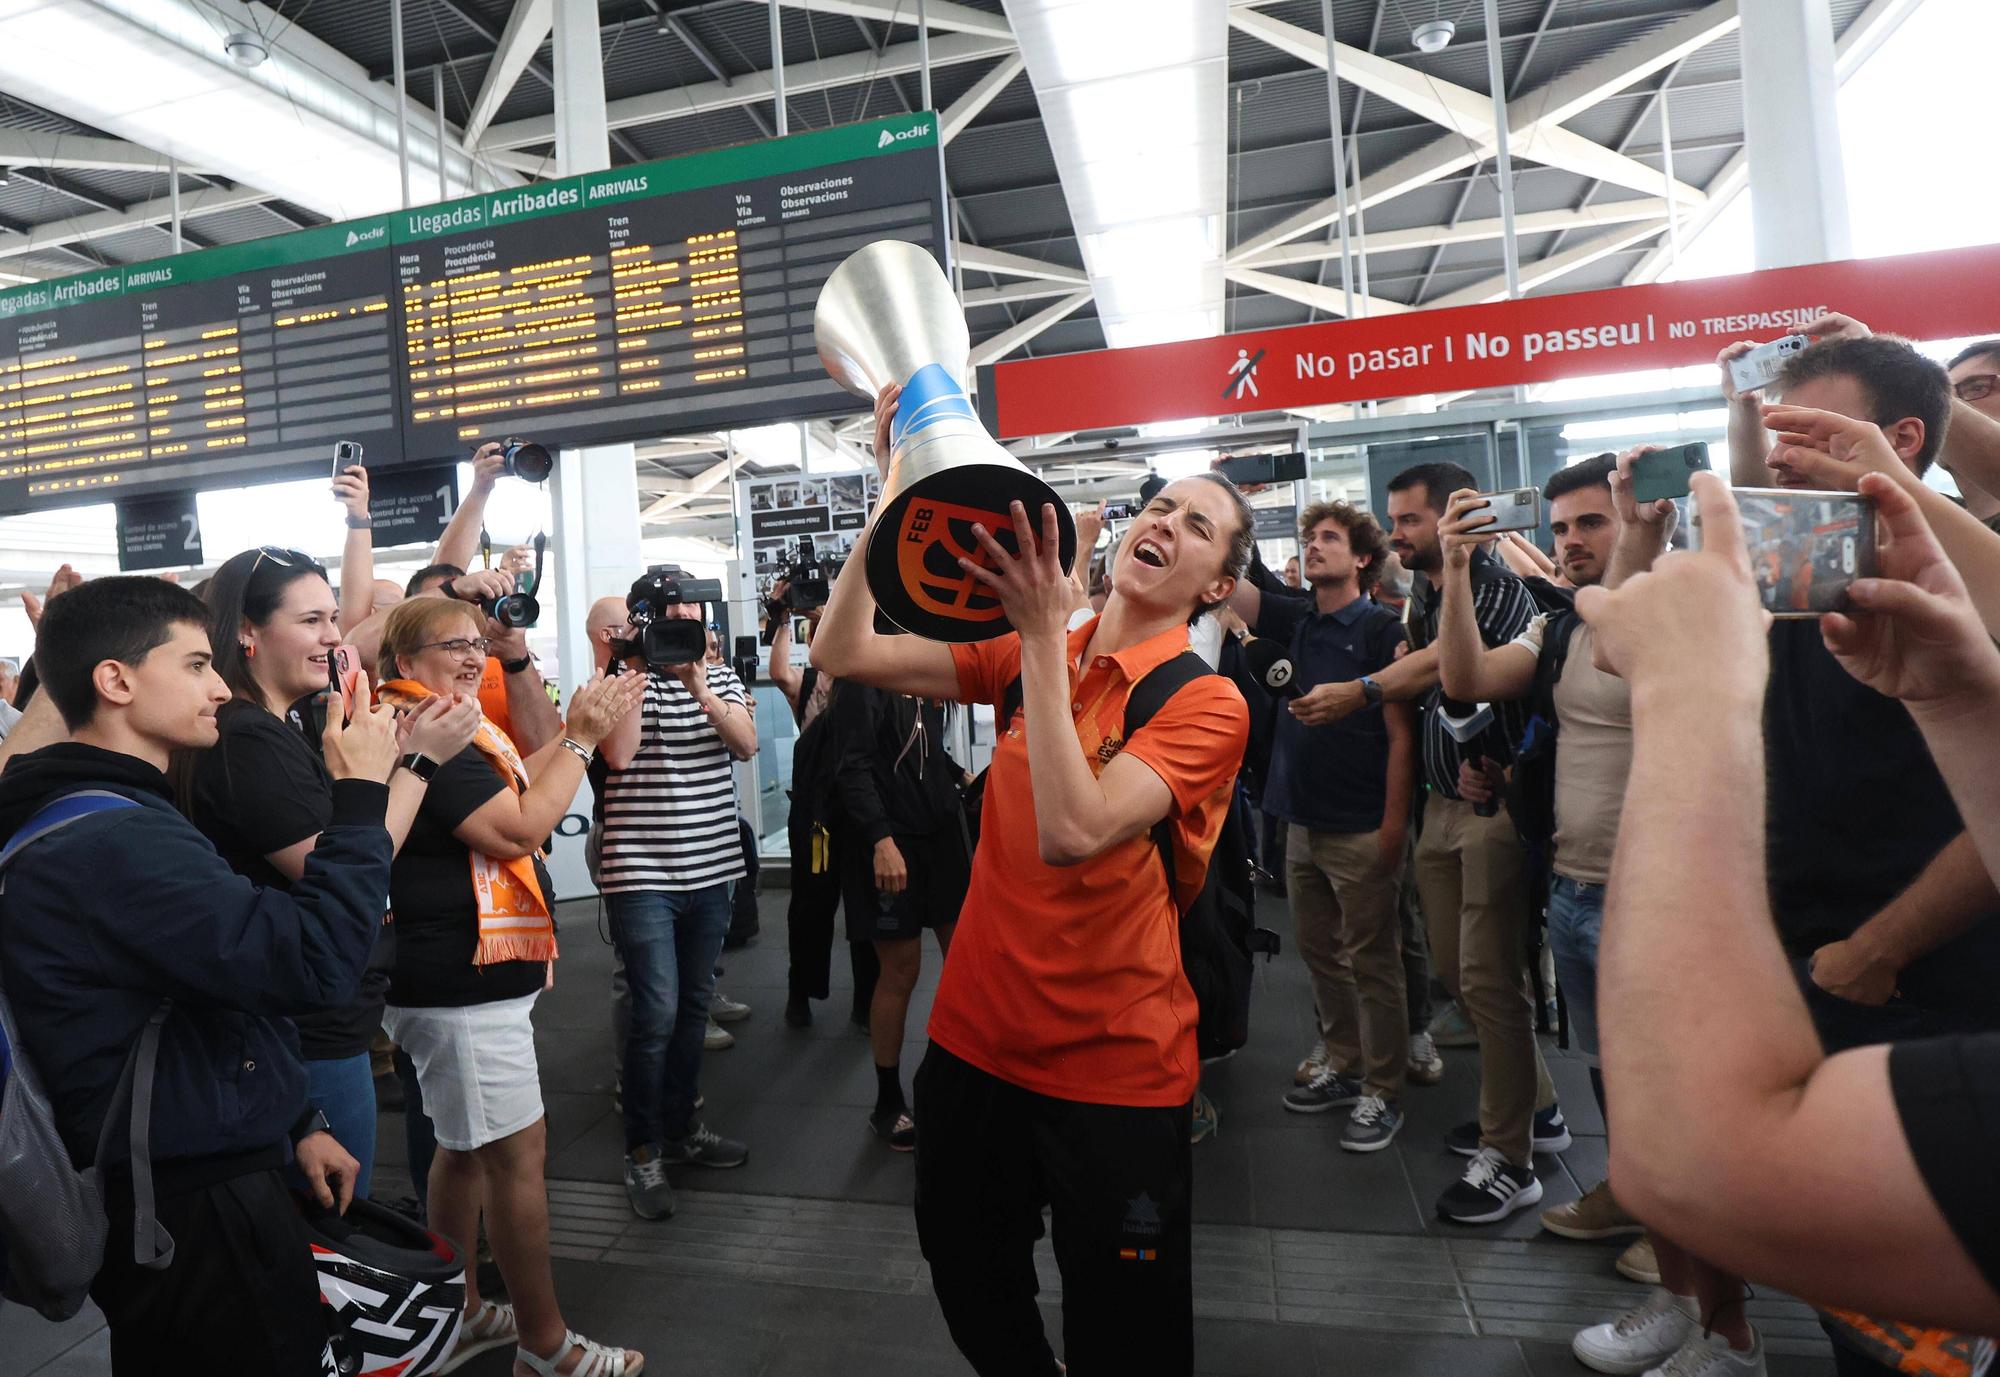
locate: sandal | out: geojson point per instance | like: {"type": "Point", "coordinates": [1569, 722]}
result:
{"type": "Point", "coordinates": [596, 1360]}
{"type": "Point", "coordinates": [898, 1130]}
{"type": "Point", "coordinates": [491, 1326]}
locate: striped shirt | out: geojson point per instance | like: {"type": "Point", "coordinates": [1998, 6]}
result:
{"type": "Point", "coordinates": [670, 819]}
{"type": "Point", "coordinates": [1503, 607]}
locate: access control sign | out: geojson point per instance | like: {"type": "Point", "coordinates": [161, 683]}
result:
{"type": "Point", "coordinates": [1500, 344]}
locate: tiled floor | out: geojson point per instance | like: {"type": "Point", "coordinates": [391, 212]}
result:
{"type": "Point", "coordinates": [804, 1261]}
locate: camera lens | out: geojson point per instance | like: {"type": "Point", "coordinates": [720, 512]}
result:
{"type": "Point", "coordinates": [528, 461]}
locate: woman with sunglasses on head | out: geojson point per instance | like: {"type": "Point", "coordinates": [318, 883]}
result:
{"type": "Point", "coordinates": [475, 945]}
{"type": "Point", "coordinates": [262, 795]}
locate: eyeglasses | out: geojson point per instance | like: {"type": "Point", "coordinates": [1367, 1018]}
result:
{"type": "Point", "coordinates": [285, 559]}
{"type": "Point", "coordinates": [458, 645]}
{"type": "Point", "coordinates": [1976, 388]}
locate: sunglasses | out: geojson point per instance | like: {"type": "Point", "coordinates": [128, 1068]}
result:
{"type": "Point", "coordinates": [285, 559]}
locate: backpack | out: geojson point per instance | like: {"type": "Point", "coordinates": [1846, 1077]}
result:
{"type": "Point", "coordinates": [1219, 933]}
{"type": "Point", "coordinates": [1531, 791]}
{"type": "Point", "coordinates": [52, 1217]}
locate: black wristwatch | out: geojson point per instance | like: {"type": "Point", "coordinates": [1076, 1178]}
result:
{"type": "Point", "coordinates": [1371, 692]}
{"type": "Point", "coordinates": [516, 666]}
{"type": "Point", "coordinates": [311, 1122]}
{"type": "Point", "coordinates": [420, 765]}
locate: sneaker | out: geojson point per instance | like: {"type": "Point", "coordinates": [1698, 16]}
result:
{"type": "Point", "coordinates": [896, 1128]}
{"type": "Point", "coordinates": [1550, 1134]}
{"type": "Point", "coordinates": [703, 1147]}
{"type": "Point", "coordinates": [1638, 1263]}
{"type": "Point", "coordinates": [717, 1038]}
{"type": "Point", "coordinates": [1709, 1355]}
{"type": "Point", "coordinates": [1597, 1215]}
{"type": "Point", "coordinates": [646, 1187]}
{"type": "Point", "coordinates": [723, 1009]}
{"type": "Point", "coordinates": [1640, 1339]}
{"type": "Point", "coordinates": [1491, 1189]}
{"type": "Point", "coordinates": [1329, 1090]}
{"type": "Point", "coordinates": [1372, 1126]}
{"type": "Point", "coordinates": [1309, 1070]}
{"type": "Point", "coordinates": [1453, 1028]}
{"type": "Point", "coordinates": [1425, 1067]}
{"type": "Point", "coordinates": [798, 1012]}
{"type": "Point", "coordinates": [1206, 1120]}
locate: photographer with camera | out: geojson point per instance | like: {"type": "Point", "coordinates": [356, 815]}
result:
{"type": "Point", "coordinates": [262, 794]}
{"type": "Point", "coordinates": [475, 947]}
{"type": "Point", "coordinates": [125, 917]}
{"type": "Point", "coordinates": [671, 851]}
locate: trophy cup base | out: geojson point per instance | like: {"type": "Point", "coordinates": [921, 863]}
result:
{"type": "Point", "coordinates": [912, 559]}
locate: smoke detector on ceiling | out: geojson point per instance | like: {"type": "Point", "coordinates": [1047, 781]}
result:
{"type": "Point", "coordinates": [1433, 34]}
{"type": "Point", "coordinates": [246, 49]}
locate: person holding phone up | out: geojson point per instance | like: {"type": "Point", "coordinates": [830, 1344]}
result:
{"type": "Point", "coordinates": [262, 794]}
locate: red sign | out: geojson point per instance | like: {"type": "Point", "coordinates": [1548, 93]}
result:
{"type": "Point", "coordinates": [1941, 295]}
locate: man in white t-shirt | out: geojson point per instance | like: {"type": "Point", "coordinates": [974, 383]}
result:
{"type": "Point", "coordinates": [671, 850]}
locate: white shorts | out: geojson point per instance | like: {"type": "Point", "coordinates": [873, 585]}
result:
{"type": "Point", "coordinates": [475, 1066]}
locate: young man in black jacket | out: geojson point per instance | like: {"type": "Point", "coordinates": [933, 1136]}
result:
{"type": "Point", "coordinates": [98, 929]}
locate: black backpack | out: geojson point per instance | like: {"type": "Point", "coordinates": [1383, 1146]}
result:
{"type": "Point", "coordinates": [1531, 791]}
{"type": "Point", "coordinates": [1219, 932]}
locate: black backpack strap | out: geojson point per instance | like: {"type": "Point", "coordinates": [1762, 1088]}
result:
{"type": "Point", "coordinates": [1549, 664]}
{"type": "Point", "coordinates": [1148, 696]}
{"type": "Point", "coordinates": [1010, 703]}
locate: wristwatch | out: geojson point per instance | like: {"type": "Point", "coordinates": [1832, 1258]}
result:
{"type": "Point", "coordinates": [516, 666]}
{"type": "Point", "coordinates": [311, 1122]}
{"type": "Point", "coordinates": [1371, 692]}
{"type": "Point", "coordinates": [420, 765]}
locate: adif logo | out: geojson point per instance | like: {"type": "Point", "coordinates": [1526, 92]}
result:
{"type": "Point", "coordinates": [364, 236]}
{"type": "Point", "coordinates": [915, 132]}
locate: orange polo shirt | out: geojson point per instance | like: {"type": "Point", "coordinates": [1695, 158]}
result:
{"type": "Point", "coordinates": [1066, 980]}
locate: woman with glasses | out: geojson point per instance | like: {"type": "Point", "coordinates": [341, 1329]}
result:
{"type": "Point", "coordinates": [262, 795]}
{"type": "Point", "coordinates": [475, 945]}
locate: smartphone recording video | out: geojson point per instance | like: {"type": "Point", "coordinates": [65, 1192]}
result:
{"type": "Point", "coordinates": [1515, 509]}
{"type": "Point", "coordinates": [1806, 548]}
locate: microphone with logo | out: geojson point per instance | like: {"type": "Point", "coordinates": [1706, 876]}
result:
{"type": "Point", "coordinates": [1272, 667]}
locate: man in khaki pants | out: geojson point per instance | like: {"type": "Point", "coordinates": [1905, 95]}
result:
{"type": "Point", "coordinates": [1344, 790]}
{"type": "Point", "coordinates": [1472, 873]}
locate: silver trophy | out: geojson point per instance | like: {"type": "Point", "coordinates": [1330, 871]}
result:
{"type": "Point", "coordinates": [887, 315]}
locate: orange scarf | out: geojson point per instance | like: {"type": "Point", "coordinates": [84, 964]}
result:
{"type": "Point", "coordinates": [514, 918]}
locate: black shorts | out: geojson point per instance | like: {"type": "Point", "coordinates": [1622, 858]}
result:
{"type": "Point", "coordinates": [939, 873]}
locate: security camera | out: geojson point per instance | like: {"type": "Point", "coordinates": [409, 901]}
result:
{"type": "Point", "coordinates": [246, 49]}
{"type": "Point", "coordinates": [1433, 34]}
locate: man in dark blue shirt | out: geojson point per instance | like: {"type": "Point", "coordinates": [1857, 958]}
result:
{"type": "Point", "coordinates": [1344, 789]}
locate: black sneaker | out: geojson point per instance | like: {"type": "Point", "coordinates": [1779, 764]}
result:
{"type": "Point", "coordinates": [1491, 1189]}
{"type": "Point", "coordinates": [1550, 1134]}
{"type": "Point", "coordinates": [703, 1147]}
{"type": "Point", "coordinates": [798, 1012]}
{"type": "Point", "coordinates": [1328, 1090]}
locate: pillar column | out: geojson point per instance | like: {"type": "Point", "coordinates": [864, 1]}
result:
{"type": "Point", "coordinates": [1798, 184]}
{"type": "Point", "coordinates": [596, 490]}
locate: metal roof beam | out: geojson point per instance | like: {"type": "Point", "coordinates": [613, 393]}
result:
{"type": "Point", "coordinates": [975, 259]}
{"type": "Point", "coordinates": [976, 297]}
{"type": "Point", "coordinates": [534, 69]}
{"type": "Point", "coordinates": [800, 78]}
{"type": "Point", "coordinates": [942, 15]}
{"type": "Point", "coordinates": [967, 108]}
{"type": "Point", "coordinates": [77, 152]}
{"type": "Point", "coordinates": [1547, 270]}
{"type": "Point", "coordinates": [84, 228]}
{"type": "Point", "coordinates": [1467, 231]}
{"type": "Point", "coordinates": [1008, 340]}
{"type": "Point", "coordinates": [528, 27]}
{"type": "Point", "coordinates": [1331, 300]}
{"type": "Point", "coordinates": [1595, 82]}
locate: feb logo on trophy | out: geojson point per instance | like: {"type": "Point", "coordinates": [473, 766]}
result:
{"type": "Point", "coordinates": [887, 315]}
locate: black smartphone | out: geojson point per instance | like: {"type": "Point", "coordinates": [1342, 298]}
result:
{"type": "Point", "coordinates": [1247, 469]}
{"type": "Point", "coordinates": [1805, 547]}
{"type": "Point", "coordinates": [346, 454]}
{"type": "Point", "coordinates": [1667, 473]}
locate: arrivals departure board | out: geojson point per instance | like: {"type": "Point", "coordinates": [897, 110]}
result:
{"type": "Point", "coordinates": [656, 299]}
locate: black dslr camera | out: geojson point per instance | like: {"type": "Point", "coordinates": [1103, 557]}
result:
{"type": "Point", "coordinates": [526, 460]}
{"type": "Point", "coordinates": [666, 641]}
{"type": "Point", "coordinates": [520, 608]}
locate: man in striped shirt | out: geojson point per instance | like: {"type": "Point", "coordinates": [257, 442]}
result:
{"type": "Point", "coordinates": [671, 851]}
{"type": "Point", "coordinates": [1472, 873]}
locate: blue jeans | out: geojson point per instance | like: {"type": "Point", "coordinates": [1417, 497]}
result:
{"type": "Point", "coordinates": [344, 1091]}
{"type": "Point", "coordinates": [670, 940]}
{"type": "Point", "coordinates": [1576, 917]}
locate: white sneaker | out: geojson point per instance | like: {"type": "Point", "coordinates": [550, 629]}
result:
{"type": "Point", "coordinates": [1425, 1066]}
{"type": "Point", "coordinates": [723, 1009]}
{"type": "Point", "coordinates": [1640, 1339]}
{"type": "Point", "coordinates": [1709, 1355]}
{"type": "Point", "coordinates": [717, 1037]}
{"type": "Point", "coordinates": [1314, 1065]}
